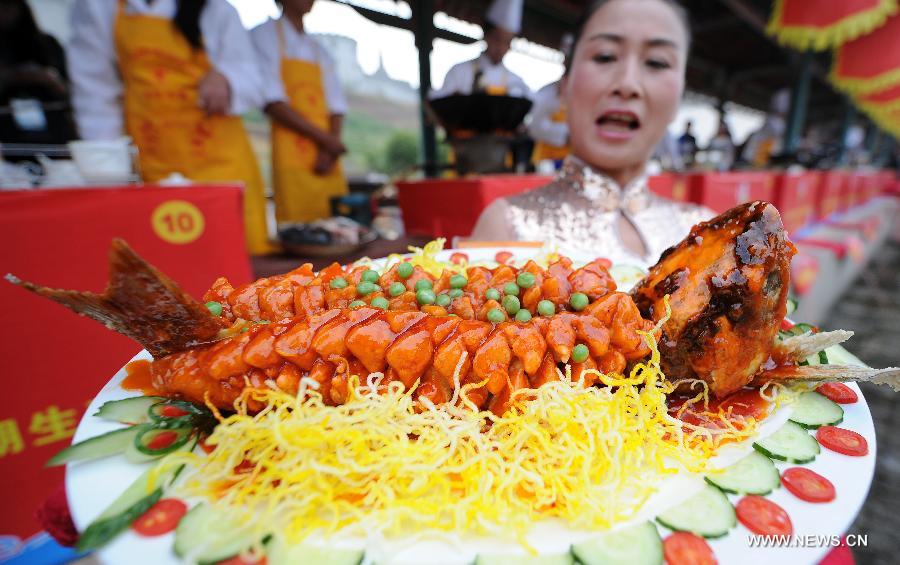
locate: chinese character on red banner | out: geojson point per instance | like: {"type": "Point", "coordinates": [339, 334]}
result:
{"type": "Point", "coordinates": [10, 438]}
{"type": "Point", "coordinates": [52, 425]}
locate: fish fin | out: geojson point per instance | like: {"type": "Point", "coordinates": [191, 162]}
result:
{"type": "Point", "coordinates": [838, 373]}
{"type": "Point", "coordinates": [798, 348]}
{"type": "Point", "coordinates": [139, 302]}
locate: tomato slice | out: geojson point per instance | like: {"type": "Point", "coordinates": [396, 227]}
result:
{"type": "Point", "coordinates": [161, 518]}
{"type": "Point", "coordinates": [238, 560]}
{"type": "Point", "coordinates": [502, 257]}
{"type": "Point", "coordinates": [786, 325]}
{"type": "Point", "coordinates": [458, 258]}
{"type": "Point", "coordinates": [837, 392]}
{"type": "Point", "coordinates": [846, 442]}
{"type": "Point", "coordinates": [685, 548]}
{"type": "Point", "coordinates": [807, 485]}
{"type": "Point", "coordinates": [162, 440]}
{"type": "Point", "coordinates": [603, 262]}
{"type": "Point", "coordinates": [763, 517]}
{"type": "Point", "coordinates": [173, 412]}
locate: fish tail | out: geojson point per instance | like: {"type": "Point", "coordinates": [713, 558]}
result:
{"type": "Point", "coordinates": [139, 302]}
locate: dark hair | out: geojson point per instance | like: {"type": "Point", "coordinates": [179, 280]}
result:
{"type": "Point", "coordinates": [679, 10]}
{"type": "Point", "coordinates": [24, 41]}
{"type": "Point", "coordinates": [187, 20]}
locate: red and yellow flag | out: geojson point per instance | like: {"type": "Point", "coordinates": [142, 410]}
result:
{"type": "Point", "coordinates": [823, 24]}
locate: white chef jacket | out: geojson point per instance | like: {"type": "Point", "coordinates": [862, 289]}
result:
{"type": "Point", "coordinates": [297, 45]}
{"type": "Point", "coordinates": [542, 127]}
{"type": "Point", "coordinates": [93, 63]}
{"type": "Point", "coordinates": [460, 76]}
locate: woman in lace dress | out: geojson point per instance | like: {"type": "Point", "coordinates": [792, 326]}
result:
{"type": "Point", "coordinates": [622, 89]}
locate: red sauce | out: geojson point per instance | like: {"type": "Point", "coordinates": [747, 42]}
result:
{"type": "Point", "coordinates": [139, 378]}
{"type": "Point", "coordinates": [743, 404]}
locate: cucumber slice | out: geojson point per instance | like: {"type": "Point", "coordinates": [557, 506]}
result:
{"type": "Point", "coordinates": [110, 443]}
{"type": "Point", "coordinates": [708, 513]}
{"type": "Point", "coordinates": [754, 474]}
{"type": "Point", "coordinates": [128, 411]}
{"type": "Point", "coordinates": [278, 553]}
{"type": "Point", "coordinates": [130, 505]}
{"type": "Point", "coordinates": [555, 559]}
{"type": "Point", "coordinates": [813, 410]}
{"type": "Point", "coordinates": [637, 545]}
{"type": "Point", "coordinates": [208, 535]}
{"type": "Point", "coordinates": [790, 443]}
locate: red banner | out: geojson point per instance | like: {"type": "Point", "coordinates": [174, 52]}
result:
{"type": "Point", "coordinates": [56, 361]}
{"type": "Point", "coordinates": [813, 24]}
{"type": "Point", "coordinates": [870, 63]}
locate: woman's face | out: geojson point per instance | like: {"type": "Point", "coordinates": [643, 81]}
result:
{"type": "Point", "coordinates": [625, 84]}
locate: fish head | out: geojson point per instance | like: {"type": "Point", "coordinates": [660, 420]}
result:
{"type": "Point", "coordinates": [727, 283]}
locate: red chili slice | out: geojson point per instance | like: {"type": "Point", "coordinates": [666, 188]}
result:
{"type": "Point", "coordinates": [502, 257]}
{"type": "Point", "coordinates": [763, 517]}
{"type": "Point", "coordinates": [162, 440]}
{"type": "Point", "coordinates": [604, 262]}
{"type": "Point", "coordinates": [786, 325]}
{"type": "Point", "coordinates": [161, 518]}
{"type": "Point", "coordinates": [458, 258]}
{"type": "Point", "coordinates": [837, 392]}
{"type": "Point", "coordinates": [685, 548]}
{"type": "Point", "coordinates": [208, 448]}
{"type": "Point", "coordinates": [846, 442]}
{"type": "Point", "coordinates": [807, 485]}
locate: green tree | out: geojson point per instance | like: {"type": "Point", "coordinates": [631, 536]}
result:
{"type": "Point", "coordinates": [402, 152]}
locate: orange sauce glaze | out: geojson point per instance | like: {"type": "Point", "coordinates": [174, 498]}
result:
{"type": "Point", "coordinates": [738, 406]}
{"type": "Point", "coordinates": [138, 378]}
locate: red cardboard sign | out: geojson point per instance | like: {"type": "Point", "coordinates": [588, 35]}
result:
{"type": "Point", "coordinates": [56, 361]}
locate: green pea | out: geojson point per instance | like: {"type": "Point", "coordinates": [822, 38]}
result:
{"type": "Point", "coordinates": [356, 304]}
{"type": "Point", "coordinates": [580, 353]}
{"type": "Point", "coordinates": [525, 280]}
{"type": "Point", "coordinates": [458, 281]}
{"type": "Point", "coordinates": [214, 308]}
{"type": "Point", "coordinates": [404, 270]}
{"type": "Point", "coordinates": [424, 284]}
{"type": "Point", "coordinates": [495, 315]}
{"type": "Point", "coordinates": [396, 289]}
{"type": "Point", "coordinates": [579, 301]}
{"type": "Point", "coordinates": [371, 276]}
{"type": "Point", "coordinates": [546, 308]}
{"type": "Point", "coordinates": [511, 289]}
{"type": "Point", "coordinates": [523, 316]}
{"type": "Point", "coordinates": [443, 299]}
{"type": "Point", "coordinates": [455, 293]}
{"type": "Point", "coordinates": [492, 294]}
{"type": "Point", "coordinates": [511, 304]}
{"type": "Point", "coordinates": [425, 296]}
{"type": "Point", "coordinates": [366, 288]}
{"type": "Point", "coordinates": [380, 302]}
{"type": "Point", "coordinates": [338, 282]}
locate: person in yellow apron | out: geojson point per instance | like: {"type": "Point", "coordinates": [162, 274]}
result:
{"type": "Point", "coordinates": [548, 125]}
{"type": "Point", "coordinates": [306, 105]}
{"type": "Point", "coordinates": [144, 69]}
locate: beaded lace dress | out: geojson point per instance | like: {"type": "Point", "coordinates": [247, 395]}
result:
{"type": "Point", "coordinates": [579, 213]}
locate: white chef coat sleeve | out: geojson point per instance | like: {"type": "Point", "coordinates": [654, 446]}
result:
{"type": "Point", "coordinates": [231, 52]}
{"type": "Point", "coordinates": [96, 84]}
{"type": "Point", "coordinates": [517, 87]}
{"type": "Point", "coordinates": [334, 94]}
{"type": "Point", "coordinates": [542, 127]}
{"type": "Point", "coordinates": [265, 41]}
{"type": "Point", "coordinates": [458, 81]}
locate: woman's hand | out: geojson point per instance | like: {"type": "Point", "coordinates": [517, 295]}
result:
{"type": "Point", "coordinates": [214, 93]}
{"type": "Point", "coordinates": [331, 144]}
{"type": "Point", "coordinates": [325, 162]}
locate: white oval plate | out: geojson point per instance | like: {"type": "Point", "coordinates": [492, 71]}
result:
{"type": "Point", "coordinates": [93, 485]}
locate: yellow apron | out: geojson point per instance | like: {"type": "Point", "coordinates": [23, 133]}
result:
{"type": "Point", "coordinates": [161, 73]}
{"type": "Point", "coordinates": [543, 150]}
{"type": "Point", "coordinates": [300, 194]}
